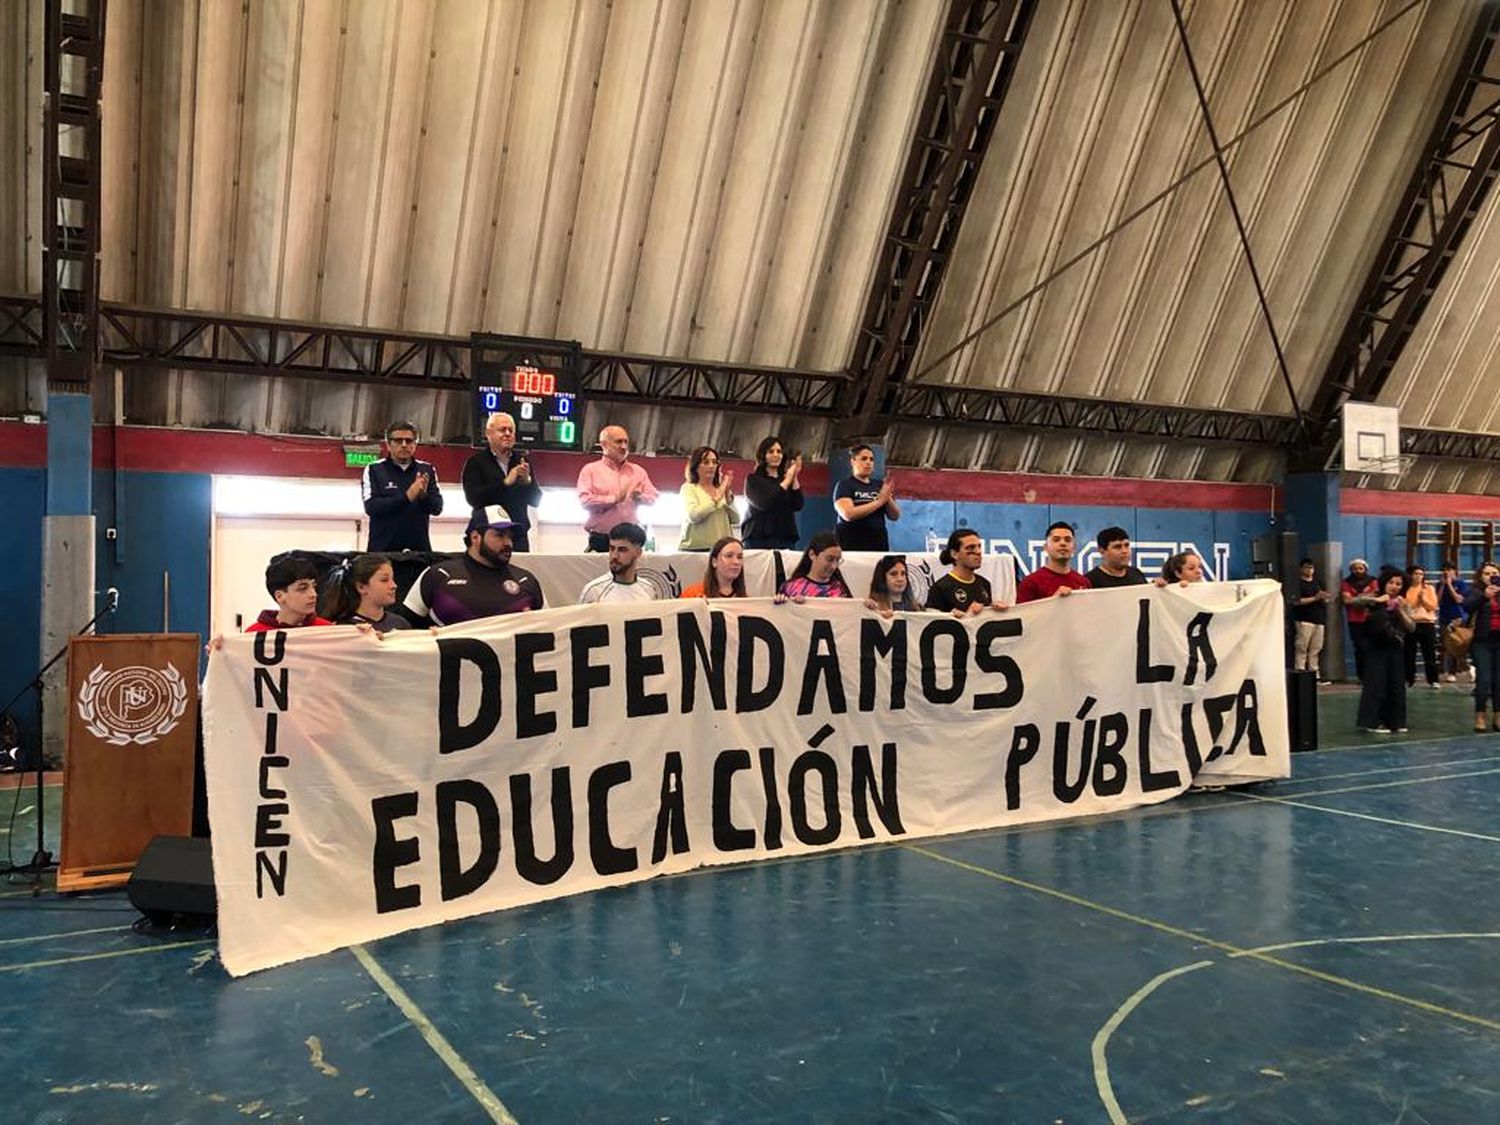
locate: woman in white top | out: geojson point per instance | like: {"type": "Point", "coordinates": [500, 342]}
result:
{"type": "Point", "coordinates": [708, 512]}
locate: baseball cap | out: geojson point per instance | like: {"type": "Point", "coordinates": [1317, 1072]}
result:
{"type": "Point", "coordinates": [491, 518]}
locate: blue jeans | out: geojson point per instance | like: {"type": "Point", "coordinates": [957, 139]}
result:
{"type": "Point", "coordinates": [1486, 656]}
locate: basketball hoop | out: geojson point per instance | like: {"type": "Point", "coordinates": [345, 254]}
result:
{"type": "Point", "coordinates": [1395, 466]}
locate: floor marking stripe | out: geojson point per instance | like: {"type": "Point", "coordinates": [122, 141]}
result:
{"type": "Point", "coordinates": [68, 934]}
{"type": "Point", "coordinates": [1390, 769]}
{"type": "Point", "coordinates": [440, 1046]}
{"type": "Point", "coordinates": [1200, 939]}
{"type": "Point", "coordinates": [1378, 939]}
{"type": "Point", "coordinates": [104, 956]}
{"type": "Point", "coordinates": [1100, 1045]}
{"type": "Point", "coordinates": [1101, 1038]}
{"type": "Point", "coordinates": [1388, 745]}
{"type": "Point", "coordinates": [1368, 816]}
{"type": "Point", "coordinates": [1395, 784]}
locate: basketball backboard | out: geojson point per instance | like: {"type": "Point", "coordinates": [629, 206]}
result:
{"type": "Point", "coordinates": [1372, 439]}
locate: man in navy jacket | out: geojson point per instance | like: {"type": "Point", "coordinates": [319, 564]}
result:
{"type": "Point", "coordinates": [401, 494]}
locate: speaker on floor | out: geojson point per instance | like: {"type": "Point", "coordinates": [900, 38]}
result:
{"type": "Point", "coordinates": [174, 878]}
{"type": "Point", "coordinates": [1302, 708]}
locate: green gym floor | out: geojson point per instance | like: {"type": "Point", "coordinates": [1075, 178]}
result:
{"type": "Point", "coordinates": [1321, 949]}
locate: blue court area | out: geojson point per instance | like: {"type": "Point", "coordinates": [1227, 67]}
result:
{"type": "Point", "coordinates": [1318, 950]}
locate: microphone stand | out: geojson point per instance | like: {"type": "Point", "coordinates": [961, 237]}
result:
{"type": "Point", "coordinates": [41, 859]}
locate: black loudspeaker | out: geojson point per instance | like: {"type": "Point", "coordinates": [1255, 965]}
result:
{"type": "Point", "coordinates": [1302, 708]}
{"type": "Point", "coordinates": [175, 876]}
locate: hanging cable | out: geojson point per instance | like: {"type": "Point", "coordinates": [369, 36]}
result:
{"type": "Point", "coordinates": [1234, 209]}
{"type": "Point", "coordinates": [1166, 193]}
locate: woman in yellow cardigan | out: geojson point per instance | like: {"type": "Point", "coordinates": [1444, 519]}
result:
{"type": "Point", "coordinates": [708, 511]}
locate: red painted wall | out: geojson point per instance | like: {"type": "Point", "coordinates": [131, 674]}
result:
{"type": "Point", "coordinates": [147, 449]}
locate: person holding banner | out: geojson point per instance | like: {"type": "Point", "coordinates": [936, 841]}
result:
{"type": "Point", "coordinates": [1056, 576]}
{"type": "Point", "coordinates": [774, 491]}
{"type": "Point", "coordinates": [1182, 569]}
{"type": "Point", "coordinates": [817, 572]}
{"type": "Point", "coordinates": [480, 583]}
{"type": "Point", "coordinates": [708, 511]}
{"type": "Point", "coordinates": [725, 576]}
{"type": "Point", "coordinates": [890, 587]}
{"type": "Point", "coordinates": [361, 591]}
{"type": "Point", "coordinates": [1114, 567]}
{"type": "Point", "coordinates": [292, 583]}
{"type": "Point", "coordinates": [963, 590]}
{"type": "Point", "coordinates": [1382, 699]}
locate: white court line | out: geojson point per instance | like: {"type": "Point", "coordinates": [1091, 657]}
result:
{"type": "Point", "coordinates": [68, 934]}
{"type": "Point", "coordinates": [1396, 784]}
{"type": "Point", "coordinates": [1390, 769]}
{"type": "Point", "coordinates": [1360, 941]}
{"type": "Point", "coordinates": [493, 1106]}
{"type": "Point", "coordinates": [1367, 816]}
{"type": "Point", "coordinates": [1100, 1043]}
{"type": "Point", "coordinates": [1101, 1038]}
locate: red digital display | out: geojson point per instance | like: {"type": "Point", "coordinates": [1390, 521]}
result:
{"type": "Point", "coordinates": [531, 381]}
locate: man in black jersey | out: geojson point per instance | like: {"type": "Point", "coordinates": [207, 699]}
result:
{"type": "Point", "coordinates": [481, 583]}
{"type": "Point", "coordinates": [1114, 567]}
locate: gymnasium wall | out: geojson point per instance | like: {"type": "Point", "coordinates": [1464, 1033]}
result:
{"type": "Point", "coordinates": [154, 487]}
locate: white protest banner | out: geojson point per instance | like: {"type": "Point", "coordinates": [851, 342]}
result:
{"type": "Point", "coordinates": [358, 788]}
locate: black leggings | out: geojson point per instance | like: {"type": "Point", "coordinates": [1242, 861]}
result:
{"type": "Point", "coordinates": [1423, 637]}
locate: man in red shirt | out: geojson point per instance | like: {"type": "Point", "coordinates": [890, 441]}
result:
{"type": "Point", "coordinates": [1359, 582]}
{"type": "Point", "coordinates": [293, 583]}
{"type": "Point", "coordinates": [1055, 575]}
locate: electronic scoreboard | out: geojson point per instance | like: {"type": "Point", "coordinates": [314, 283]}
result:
{"type": "Point", "coordinates": [536, 382]}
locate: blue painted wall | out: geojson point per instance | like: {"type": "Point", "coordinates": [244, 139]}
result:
{"type": "Point", "coordinates": [163, 523]}
{"type": "Point", "coordinates": [23, 495]}
{"type": "Point", "coordinates": [1157, 532]}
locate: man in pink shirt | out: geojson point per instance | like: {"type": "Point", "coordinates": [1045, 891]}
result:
{"type": "Point", "coordinates": [611, 487]}
{"type": "Point", "coordinates": [1055, 577]}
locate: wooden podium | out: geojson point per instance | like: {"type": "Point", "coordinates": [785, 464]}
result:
{"type": "Point", "coordinates": [132, 722]}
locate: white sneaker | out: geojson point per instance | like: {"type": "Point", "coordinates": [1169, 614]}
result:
{"type": "Point", "coordinates": [1400, 730]}
{"type": "Point", "coordinates": [1436, 687]}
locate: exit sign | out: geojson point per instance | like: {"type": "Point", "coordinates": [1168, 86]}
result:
{"type": "Point", "coordinates": [358, 456]}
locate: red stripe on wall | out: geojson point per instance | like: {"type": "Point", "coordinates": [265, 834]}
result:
{"type": "Point", "coordinates": [162, 450]}
{"type": "Point", "coordinates": [1417, 505]}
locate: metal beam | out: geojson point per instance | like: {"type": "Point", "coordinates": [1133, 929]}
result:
{"type": "Point", "coordinates": [1457, 168]}
{"type": "Point", "coordinates": [1451, 445]}
{"type": "Point", "coordinates": [976, 59]}
{"type": "Point", "coordinates": [72, 167]}
{"type": "Point", "coordinates": [137, 338]}
{"type": "Point", "coordinates": [949, 405]}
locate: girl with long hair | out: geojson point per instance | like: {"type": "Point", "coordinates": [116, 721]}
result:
{"type": "Point", "coordinates": [890, 587]}
{"type": "Point", "coordinates": [361, 591]}
{"type": "Point", "coordinates": [774, 492]}
{"type": "Point", "coordinates": [817, 573]}
{"type": "Point", "coordinates": [1382, 698]}
{"type": "Point", "coordinates": [1483, 607]}
{"type": "Point", "coordinates": [725, 574]}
